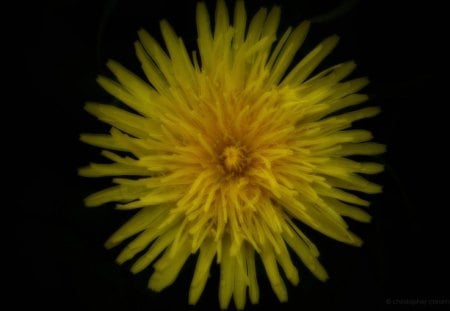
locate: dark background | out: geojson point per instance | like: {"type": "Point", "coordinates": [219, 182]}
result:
{"type": "Point", "coordinates": [62, 263]}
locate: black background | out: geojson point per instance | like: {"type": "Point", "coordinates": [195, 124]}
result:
{"type": "Point", "coordinates": [62, 264]}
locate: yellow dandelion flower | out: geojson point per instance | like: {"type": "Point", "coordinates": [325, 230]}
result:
{"type": "Point", "coordinates": [228, 152]}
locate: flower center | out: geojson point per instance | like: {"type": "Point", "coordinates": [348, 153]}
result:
{"type": "Point", "coordinates": [233, 159]}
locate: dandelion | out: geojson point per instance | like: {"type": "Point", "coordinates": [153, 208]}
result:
{"type": "Point", "coordinates": [225, 153]}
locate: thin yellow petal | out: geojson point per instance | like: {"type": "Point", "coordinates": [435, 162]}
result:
{"type": "Point", "coordinates": [278, 286]}
{"type": "Point", "coordinates": [155, 250]}
{"type": "Point", "coordinates": [154, 50]}
{"type": "Point", "coordinates": [151, 70]}
{"type": "Point", "coordinates": [131, 82]}
{"type": "Point", "coordinates": [253, 288]}
{"type": "Point", "coordinates": [288, 52]}
{"type": "Point", "coordinates": [114, 169]}
{"type": "Point", "coordinates": [121, 119]}
{"type": "Point", "coordinates": [205, 39]}
{"type": "Point", "coordinates": [349, 210]}
{"type": "Point", "coordinates": [117, 193]}
{"type": "Point", "coordinates": [361, 149]}
{"type": "Point", "coordinates": [240, 20]}
{"type": "Point", "coordinates": [240, 281]}
{"type": "Point", "coordinates": [163, 277]}
{"type": "Point", "coordinates": [222, 20]}
{"type": "Point", "coordinates": [303, 69]}
{"type": "Point", "coordinates": [305, 254]}
{"type": "Point", "coordinates": [143, 220]}
{"type": "Point", "coordinates": [227, 273]}
{"type": "Point", "coordinates": [201, 273]}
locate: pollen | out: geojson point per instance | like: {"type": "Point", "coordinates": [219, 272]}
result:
{"type": "Point", "coordinates": [234, 159]}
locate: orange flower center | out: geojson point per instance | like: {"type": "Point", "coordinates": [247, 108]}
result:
{"type": "Point", "coordinates": [233, 159]}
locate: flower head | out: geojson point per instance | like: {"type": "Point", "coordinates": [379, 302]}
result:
{"type": "Point", "coordinates": [227, 152]}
